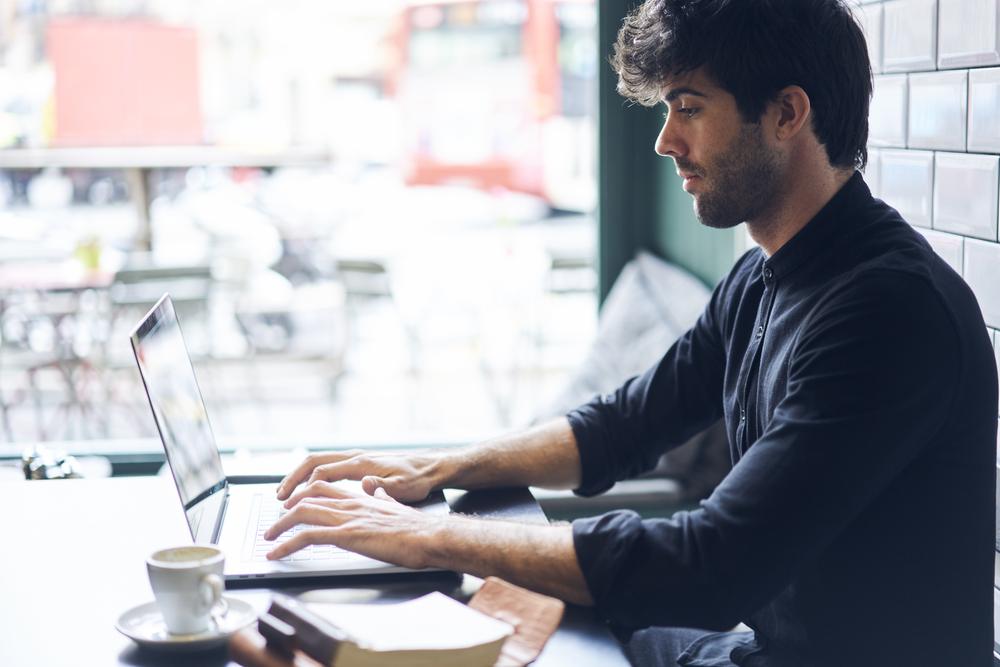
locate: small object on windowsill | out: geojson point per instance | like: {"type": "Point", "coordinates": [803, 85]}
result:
{"type": "Point", "coordinates": [41, 463]}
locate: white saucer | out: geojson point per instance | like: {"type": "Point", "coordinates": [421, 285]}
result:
{"type": "Point", "coordinates": [145, 626]}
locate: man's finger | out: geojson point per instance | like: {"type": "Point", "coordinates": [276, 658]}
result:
{"type": "Point", "coordinates": [305, 512]}
{"type": "Point", "coordinates": [313, 512]}
{"type": "Point", "coordinates": [382, 494]}
{"type": "Point", "coordinates": [318, 489]}
{"type": "Point", "coordinates": [352, 469]}
{"type": "Point", "coordinates": [306, 468]}
{"type": "Point", "coordinates": [370, 484]}
{"type": "Point", "coordinates": [297, 542]}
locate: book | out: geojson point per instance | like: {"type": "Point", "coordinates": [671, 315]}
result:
{"type": "Point", "coordinates": [503, 626]}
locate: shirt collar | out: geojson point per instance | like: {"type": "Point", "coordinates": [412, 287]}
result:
{"type": "Point", "coordinates": [818, 233]}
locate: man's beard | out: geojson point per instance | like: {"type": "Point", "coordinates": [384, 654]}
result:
{"type": "Point", "coordinates": [744, 181]}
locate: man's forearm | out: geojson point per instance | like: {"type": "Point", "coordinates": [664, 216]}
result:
{"type": "Point", "coordinates": [545, 455]}
{"type": "Point", "coordinates": [538, 557]}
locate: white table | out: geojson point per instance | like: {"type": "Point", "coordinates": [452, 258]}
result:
{"type": "Point", "coordinates": [73, 559]}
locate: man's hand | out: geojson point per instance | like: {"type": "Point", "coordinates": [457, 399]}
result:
{"type": "Point", "coordinates": [536, 556]}
{"type": "Point", "coordinates": [376, 526]}
{"type": "Point", "coordinates": [407, 478]}
{"type": "Point", "coordinates": [545, 455]}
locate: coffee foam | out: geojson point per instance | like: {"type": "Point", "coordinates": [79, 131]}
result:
{"type": "Point", "coordinates": [185, 554]}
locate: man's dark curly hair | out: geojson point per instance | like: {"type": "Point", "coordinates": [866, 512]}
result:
{"type": "Point", "coordinates": [753, 49]}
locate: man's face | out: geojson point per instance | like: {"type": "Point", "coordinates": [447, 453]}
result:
{"type": "Point", "coordinates": [726, 164]}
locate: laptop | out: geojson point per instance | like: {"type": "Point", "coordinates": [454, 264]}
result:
{"type": "Point", "coordinates": [219, 510]}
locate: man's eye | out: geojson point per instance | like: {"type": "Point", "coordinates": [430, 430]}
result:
{"type": "Point", "coordinates": [687, 111]}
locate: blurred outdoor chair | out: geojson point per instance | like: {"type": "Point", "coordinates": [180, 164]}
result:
{"type": "Point", "coordinates": [139, 284]}
{"type": "Point", "coordinates": [364, 278]}
{"type": "Point", "coordinates": [298, 322]}
{"type": "Point", "coordinates": [53, 324]}
{"type": "Point", "coordinates": [284, 324]}
{"type": "Point", "coordinates": [571, 274]}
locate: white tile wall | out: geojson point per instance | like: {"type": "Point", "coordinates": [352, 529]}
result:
{"type": "Point", "coordinates": [950, 247]}
{"type": "Point", "coordinates": [982, 272]}
{"type": "Point", "coordinates": [872, 172]}
{"type": "Point", "coordinates": [947, 176]}
{"type": "Point", "coordinates": [909, 35]}
{"type": "Point", "coordinates": [996, 353]}
{"type": "Point", "coordinates": [984, 110]}
{"type": "Point", "coordinates": [906, 182]}
{"type": "Point", "coordinates": [965, 194]}
{"type": "Point", "coordinates": [887, 116]}
{"type": "Point", "coordinates": [996, 609]}
{"type": "Point", "coordinates": [937, 110]}
{"type": "Point", "coordinates": [968, 33]}
{"type": "Point", "coordinates": [870, 18]}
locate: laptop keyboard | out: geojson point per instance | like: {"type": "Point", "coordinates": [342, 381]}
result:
{"type": "Point", "coordinates": [264, 511]}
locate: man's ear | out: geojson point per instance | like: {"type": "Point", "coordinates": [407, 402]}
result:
{"type": "Point", "coordinates": [792, 111]}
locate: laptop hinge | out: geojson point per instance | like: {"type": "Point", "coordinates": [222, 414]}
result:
{"type": "Point", "coordinates": [217, 530]}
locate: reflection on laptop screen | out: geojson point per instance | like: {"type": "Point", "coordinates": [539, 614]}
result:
{"type": "Point", "coordinates": [178, 408]}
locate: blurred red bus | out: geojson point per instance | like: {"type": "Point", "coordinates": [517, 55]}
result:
{"type": "Point", "coordinates": [499, 94]}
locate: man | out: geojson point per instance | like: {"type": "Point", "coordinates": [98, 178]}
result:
{"type": "Point", "coordinates": [852, 368]}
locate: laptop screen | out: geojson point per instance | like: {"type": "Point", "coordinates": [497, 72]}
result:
{"type": "Point", "coordinates": [180, 416]}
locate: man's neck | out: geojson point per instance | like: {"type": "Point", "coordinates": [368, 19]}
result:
{"type": "Point", "coordinates": [807, 191]}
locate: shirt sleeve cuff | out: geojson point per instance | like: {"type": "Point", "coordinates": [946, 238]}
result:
{"type": "Point", "coordinates": [596, 466]}
{"type": "Point", "coordinates": [603, 546]}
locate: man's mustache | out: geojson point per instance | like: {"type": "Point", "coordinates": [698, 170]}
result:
{"type": "Point", "coordinates": [688, 167]}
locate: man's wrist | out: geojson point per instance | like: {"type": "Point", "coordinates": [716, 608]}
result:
{"type": "Point", "coordinates": [443, 469]}
{"type": "Point", "coordinates": [433, 542]}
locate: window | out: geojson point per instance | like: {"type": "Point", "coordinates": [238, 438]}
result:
{"type": "Point", "coordinates": [375, 219]}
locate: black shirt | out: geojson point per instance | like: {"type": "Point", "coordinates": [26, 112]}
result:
{"type": "Point", "coordinates": [856, 379]}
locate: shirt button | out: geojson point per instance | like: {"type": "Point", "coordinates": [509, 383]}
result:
{"type": "Point", "coordinates": [743, 414]}
{"type": "Point", "coordinates": [768, 273]}
{"type": "Point", "coordinates": [760, 331]}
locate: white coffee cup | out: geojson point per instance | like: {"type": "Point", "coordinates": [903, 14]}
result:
{"type": "Point", "coordinates": [187, 583]}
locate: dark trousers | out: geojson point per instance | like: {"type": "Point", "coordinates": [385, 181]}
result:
{"type": "Point", "coordinates": [684, 647]}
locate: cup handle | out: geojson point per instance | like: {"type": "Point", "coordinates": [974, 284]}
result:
{"type": "Point", "coordinates": [211, 586]}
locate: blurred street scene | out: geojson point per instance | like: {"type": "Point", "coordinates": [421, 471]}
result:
{"type": "Point", "coordinates": [375, 219]}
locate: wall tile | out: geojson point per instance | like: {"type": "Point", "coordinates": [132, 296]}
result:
{"type": "Point", "coordinates": [870, 18]}
{"type": "Point", "coordinates": [873, 171]}
{"type": "Point", "coordinates": [887, 116]}
{"type": "Point", "coordinates": [950, 247]}
{"type": "Point", "coordinates": [968, 33]}
{"type": "Point", "coordinates": [996, 598]}
{"type": "Point", "coordinates": [937, 104]}
{"type": "Point", "coordinates": [907, 183]}
{"type": "Point", "coordinates": [996, 353]}
{"type": "Point", "coordinates": [982, 272]}
{"type": "Point", "coordinates": [965, 194]}
{"type": "Point", "coordinates": [984, 110]}
{"type": "Point", "coordinates": [909, 35]}
{"type": "Point", "coordinates": [998, 535]}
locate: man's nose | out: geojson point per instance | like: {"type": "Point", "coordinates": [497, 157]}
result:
{"type": "Point", "coordinates": [668, 143]}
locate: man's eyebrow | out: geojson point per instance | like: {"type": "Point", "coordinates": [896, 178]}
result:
{"type": "Point", "coordinates": [683, 90]}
